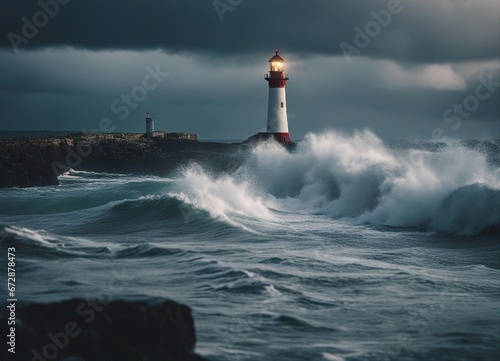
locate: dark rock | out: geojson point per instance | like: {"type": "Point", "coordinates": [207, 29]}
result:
{"type": "Point", "coordinates": [38, 161]}
{"type": "Point", "coordinates": [117, 331]}
{"type": "Point", "coordinates": [22, 165]}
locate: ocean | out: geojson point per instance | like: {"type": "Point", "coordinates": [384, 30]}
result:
{"type": "Point", "coordinates": [349, 248]}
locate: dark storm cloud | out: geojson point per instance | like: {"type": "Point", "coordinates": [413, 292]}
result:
{"type": "Point", "coordinates": [425, 31]}
{"type": "Point", "coordinates": [428, 58]}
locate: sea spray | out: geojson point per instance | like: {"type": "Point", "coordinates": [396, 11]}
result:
{"type": "Point", "coordinates": [271, 253]}
{"type": "Point", "coordinates": [448, 188]}
{"type": "Point", "coordinates": [221, 197]}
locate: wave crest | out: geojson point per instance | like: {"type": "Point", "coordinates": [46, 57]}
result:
{"type": "Point", "coordinates": [447, 187]}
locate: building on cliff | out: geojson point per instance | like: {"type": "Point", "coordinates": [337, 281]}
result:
{"type": "Point", "coordinates": [150, 124]}
{"type": "Point", "coordinates": [152, 133]}
{"type": "Point", "coordinates": [150, 128]}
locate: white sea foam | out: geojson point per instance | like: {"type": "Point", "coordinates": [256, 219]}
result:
{"type": "Point", "coordinates": [49, 240]}
{"type": "Point", "coordinates": [223, 198]}
{"type": "Point", "coordinates": [272, 290]}
{"type": "Point", "coordinates": [41, 237]}
{"type": "Point", "coordinates": [451, 188]}
{"type": "Point", "coordinates": [332, 357]}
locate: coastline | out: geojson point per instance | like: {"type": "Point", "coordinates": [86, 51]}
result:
{"type": "Point", "coordinates": [31, 161]}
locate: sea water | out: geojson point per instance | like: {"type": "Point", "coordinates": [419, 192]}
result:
{"type": "Point", "coordinates": [348, 248]}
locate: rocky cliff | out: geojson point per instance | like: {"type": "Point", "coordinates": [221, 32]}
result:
{"type": "Point", "coordinates": [38, 161]}
{"type": "Point", "coordinates": [82, 330]}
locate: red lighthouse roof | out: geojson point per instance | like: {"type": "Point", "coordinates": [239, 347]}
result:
{"type": "Point", "coordinates": [276, 58]}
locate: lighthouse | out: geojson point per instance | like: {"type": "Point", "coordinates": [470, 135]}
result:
{"type": "Point", "coordinates": [150, 124]}
{"type": "Point", "coordinates": [277, 121]}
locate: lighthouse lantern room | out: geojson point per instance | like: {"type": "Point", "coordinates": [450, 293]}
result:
{"type": "Point", "coordinates": [277, 121]}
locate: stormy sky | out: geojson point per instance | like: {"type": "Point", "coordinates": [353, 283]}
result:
{"type": "Point", "coordinates": [418, 69]}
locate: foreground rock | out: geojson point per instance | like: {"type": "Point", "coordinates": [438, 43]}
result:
{"type": "Point", "coordinates": [38, 161]}
{"type": "Point", "coordinates": [119, 331]}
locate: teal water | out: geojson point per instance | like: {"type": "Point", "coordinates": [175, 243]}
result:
{"type": "Point", "coordinates": [348, 249]}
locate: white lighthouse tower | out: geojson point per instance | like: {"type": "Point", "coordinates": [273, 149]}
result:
{"type": "Point", "coordinates": [150, 125]}
{"type": "Point", "coordinates": [277, 121]}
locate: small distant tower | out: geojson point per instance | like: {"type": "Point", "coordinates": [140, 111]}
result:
{"type": "Point", "coordinates": [150, 124]}
{"type": "Point", "coordinates": [277, 121]}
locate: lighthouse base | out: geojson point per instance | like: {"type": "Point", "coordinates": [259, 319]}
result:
{"type": "Point", "coordinates": [283, 138]}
